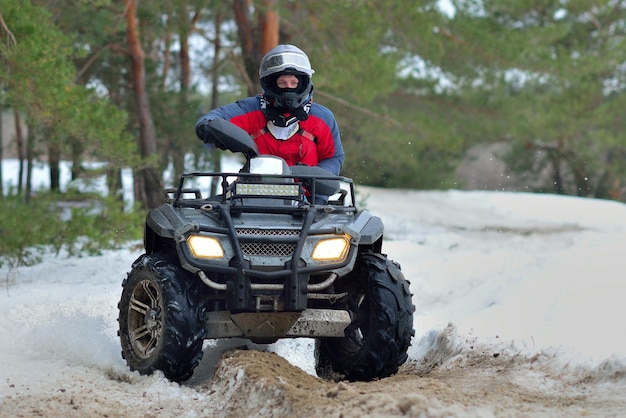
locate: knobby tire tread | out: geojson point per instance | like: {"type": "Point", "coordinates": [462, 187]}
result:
{"type": "Point", "coordinates": [390, 324]}
{"type": "Point", "coordinates": [180, 347]}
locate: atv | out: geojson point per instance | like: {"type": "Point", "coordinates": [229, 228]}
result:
{"type": "Point", "coordinates": [276, 252]}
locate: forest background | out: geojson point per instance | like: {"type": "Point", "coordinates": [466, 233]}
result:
{"type": "Point", "coordinates": [414, 86]}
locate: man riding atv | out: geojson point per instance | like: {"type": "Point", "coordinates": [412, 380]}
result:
{"type": "Point", "coordinates": [284, 121]}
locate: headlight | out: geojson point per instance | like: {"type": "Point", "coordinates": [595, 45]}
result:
{"type": "Point", "coordinates": [331, 249]}
{"type": "Point", "coordinates": [205, 247]}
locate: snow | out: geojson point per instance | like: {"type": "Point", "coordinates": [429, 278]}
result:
{"type": "Point", "coordinates": [519, 273]}
{"type": "Point", "coordinates": [526, 272]}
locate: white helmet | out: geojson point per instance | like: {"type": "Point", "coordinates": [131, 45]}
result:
{"type": "Point", "coordinates": [286, 59]}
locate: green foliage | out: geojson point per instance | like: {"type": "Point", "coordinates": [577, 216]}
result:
{"type": "Point", "coordinates": [411, 87]}
{"type": "Point", "coordinates": [345, 41]}
{"type": "Point", "coordinates": [565, 114]}
{"type": "Point", "coordinates": [397, 148]}
{"type": "Point", "coordinates": [358, 49]}
{"type": "Point", "coordinates": [39, 80]}
{"type": "Point", "coordinates": [64, 225]}
{"type": "Point", "coordinates": [98, 3]}
{"type": "Point", "coordinates": [39, 48]}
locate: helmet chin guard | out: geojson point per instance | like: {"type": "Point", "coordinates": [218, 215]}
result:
{"type": "Point", "coordinates": [283, 117]}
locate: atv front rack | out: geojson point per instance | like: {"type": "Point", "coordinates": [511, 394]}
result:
{"type": "Point", "coordinates": [302, 189]}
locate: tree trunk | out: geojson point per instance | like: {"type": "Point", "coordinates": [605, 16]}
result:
{"type": "Point", "coordinates": [178, 144]}
{"type": "Point", "coordinates": [268, 25]}
{"type": "Point", "coordinates": [249, 48]}
{"type": "Point", "coordinates": [54, 161]}
{"type": "Point", "coordinates": [77, 152]}
{"type": "Point", "coordinates": [148, 182]}
{"type": "Point", "coordinates": [114, 185]}
{"type": "Point", "coordinates": [185, 65]}
{"type": "Point", "coordinates": [30, 156]}
{"type": "Point", "coordinates": [167, 64]}
{"type": "Point", "coordinates": [1, 150]}
{"type": "Point", "coordinates": [215, 76]}
{"type": "Point", "coordinates": [19, 144]}
{"type": "Point", "coordinates": [557, 178]}
{"type": "Point", "coordinates": [255, 42]}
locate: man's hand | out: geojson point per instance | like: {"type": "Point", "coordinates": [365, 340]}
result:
{"type": "Point", "coordinates": [207, 135]}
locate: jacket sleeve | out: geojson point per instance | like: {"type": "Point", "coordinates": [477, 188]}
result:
{"type": "Point", "coordinates": [228, 112]}
{"type": "Point", "coordinates": [334, 156]}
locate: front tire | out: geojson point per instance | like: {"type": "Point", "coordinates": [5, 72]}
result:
{"type": "Point", "coordinates": [161, 318]}
{"type": "Point", "coordinates": [377, 341]}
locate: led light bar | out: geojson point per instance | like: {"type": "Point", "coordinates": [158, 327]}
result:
{"type": "Point", "coordinates": [264, 189]}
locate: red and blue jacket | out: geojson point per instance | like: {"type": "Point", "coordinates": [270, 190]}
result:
{"type": "Point", "coordinates": [317, 142]}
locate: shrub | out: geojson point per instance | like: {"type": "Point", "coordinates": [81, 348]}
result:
{"type": "Point", "coordinates": [70, 225]}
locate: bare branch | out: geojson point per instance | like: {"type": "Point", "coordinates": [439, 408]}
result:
{"type": "Point", "coordinates": [9, 33]}
{"type": "Point", "coordinates": [358, 108]}
{"type": "Point", "coordinates": [91, 60]}
{"type": "Point", "coordinates": [242, 71]}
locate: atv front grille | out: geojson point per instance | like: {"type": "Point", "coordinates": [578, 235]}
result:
{"type": "Point", "coordinates": [264, 249]}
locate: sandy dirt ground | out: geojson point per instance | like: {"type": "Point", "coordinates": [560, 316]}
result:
{"type": "Point", "coordinates": [59, 354]}
{"type": "Point", "coordinates": [253, 383]}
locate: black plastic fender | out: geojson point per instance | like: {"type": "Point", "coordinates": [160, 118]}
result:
{"type": "Point", "coordinates": [370, 228]}
{"type": "Point", "coordinates": [161, 222]}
